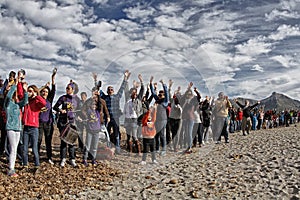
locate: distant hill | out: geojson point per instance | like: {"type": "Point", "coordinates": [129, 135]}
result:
{"type": "Point", "coordinates": [276, 101]}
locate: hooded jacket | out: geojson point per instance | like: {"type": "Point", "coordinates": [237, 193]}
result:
{"type": "Point", "coordinates": [32, 111]}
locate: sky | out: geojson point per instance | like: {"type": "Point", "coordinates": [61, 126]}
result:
{"type": "Point", "coordinates": [244, 48]}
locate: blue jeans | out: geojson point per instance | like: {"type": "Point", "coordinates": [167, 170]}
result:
{"type": "Point", "coordinates": [63, 147]}
{"type": "Point", "coordinates": [115, 136]}
{"type": "Point", "coordinates": [160, 137]}
{"type": "Point", "coordinates": [46, 130]}
{"type": "Point", "coordinates": [91, 145]}
{"type": "Point", "coordinates": [30, 134]}
{"type": "Point", "coordinates": [187, 125]}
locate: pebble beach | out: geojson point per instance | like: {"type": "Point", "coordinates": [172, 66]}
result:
{"type": "Point", "coordinates": [262, 165]}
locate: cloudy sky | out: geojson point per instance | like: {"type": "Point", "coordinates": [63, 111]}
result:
{"type": "Point", "coordinates": [243, 47]}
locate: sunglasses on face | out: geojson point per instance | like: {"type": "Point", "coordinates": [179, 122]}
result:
{"type": "Point", "coordinates": [68, 88]}
{"type": "Point", "coordinates": [110, 89]}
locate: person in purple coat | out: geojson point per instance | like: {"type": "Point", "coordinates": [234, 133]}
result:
{"type": "Point", "coordinates": [66, 106]}
{"type": "Point", "coordinates": [46, 118]}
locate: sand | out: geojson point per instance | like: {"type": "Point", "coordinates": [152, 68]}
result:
{"type": "Point", "coordinates": [262, 165]}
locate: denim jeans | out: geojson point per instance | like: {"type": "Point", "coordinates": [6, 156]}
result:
{"type": "Point", "coordinates": [64, 146]}
{"type": "Point", "coordinates": [30, 133]}
{"type": "Point", "coordinates": [160, 137]}
{"type": "Point", "coordinates": [91, 145]}
{"type": "Point", "coordinates": [115, 136]}
{"type": "Point", "coordinates": [197, 133]}
{"type": "Point", "coordinates": [45, 129]}
{"type": "Point", "coordinates": [219, 127]}
{"type": "Point", "coordinates": [187, 125]}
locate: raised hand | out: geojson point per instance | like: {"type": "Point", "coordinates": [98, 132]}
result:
{"type": "Point", "coordinates": [25, 86]}
{"type": "Point", "coordinates": [170, 83]}
{"type": "Point", "coordinates": [127, 74]}
{"type": "Point", "coordinates": [140, 78]}
{"type": "Point", "coordinates": [151, 79]}
{"type": "Point", "coordinates": [94, 75]}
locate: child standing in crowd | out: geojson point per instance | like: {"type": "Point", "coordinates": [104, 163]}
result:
{"type": "Point", "coordinates": [46, 118]}
{"type": "Point", "coordinates": [93, 110]}
{"type": "Point", "coordinates": [31, 123]}
{"type": "Point", "coordinates": [149, 132]}
{"type": "Point", "coordinates": [66, 106]}
{"type": "Point", "coordinates": [14, 125]}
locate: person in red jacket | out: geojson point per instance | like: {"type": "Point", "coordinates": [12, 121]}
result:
{"type": "Point", "coordinates": [148, 133]}
{"type": "Point", "coordinates": [31, 124]}
{"type": "Point", "coordinates": [239, 118]}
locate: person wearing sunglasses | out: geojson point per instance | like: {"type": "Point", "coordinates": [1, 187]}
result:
{"type": "Point", "coordinates": [66, 106]}
{"type": "Point", "coordinates": [112, 100]}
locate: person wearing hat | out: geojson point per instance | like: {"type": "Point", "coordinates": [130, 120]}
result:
{"type": "Point", "coordinates": [46, 118]}
{"type": "Point", "coordinates": [220, 114]}
{"type": "Point", "coordinates": [66, 106]}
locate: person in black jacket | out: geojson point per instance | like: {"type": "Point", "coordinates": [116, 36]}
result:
{"type": "Point", "coordinates": [246, 121]}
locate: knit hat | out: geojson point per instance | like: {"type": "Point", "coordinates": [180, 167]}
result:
{"type": "Point", "coordinates": [74, 86]}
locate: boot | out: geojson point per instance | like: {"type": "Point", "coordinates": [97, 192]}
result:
{"type": "Point", "coordinates": [139, 148]}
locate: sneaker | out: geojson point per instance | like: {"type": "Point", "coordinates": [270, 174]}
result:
{"type": "Point", "coordinates": [50, 162]}
{"type": "Point", "coordinates": [188, 151]}
{"type": "Point", "coordinates": [227, 141]}
{"type": "Point", "coordinates": [143, 163]}
{"type": "Point", "coordinates": [162, 153]}
{"type": "Point", "coordinates": [94, 162]}
{"type": "Point", "coordinates": [73, 163]}
{"type": "Point", "coordinates": [12, 173]}
{"type": "Point", "coordinates": [63, 162]}
{"type": "Point", "coordinates": [154, 162]}
{"type": "Point", "coordinates": [85, 163]}
{"type": "Point", "coordinates": [36, 170]}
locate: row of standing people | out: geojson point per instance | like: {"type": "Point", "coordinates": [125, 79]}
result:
{"type": "Point", "coordinates": [185, 115]}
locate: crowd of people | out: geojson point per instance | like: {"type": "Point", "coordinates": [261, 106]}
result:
{"type": "Point", "coordinates": [157, 119]}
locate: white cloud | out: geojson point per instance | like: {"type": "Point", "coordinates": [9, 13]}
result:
{"type": "Point", "coordinates": [286, 60]}
{"type": "Point", "coordinates": [285, 31]}
{"type": "Point", "coordinates": [254, 47]}
{"type": "Point", "coordinates": [285, 9]}
{"type": "Point", "coordinates": [188, 41]}
{"type": "Point", "coordinates": [48, 17]}
{"type": "Point", "coordinates": [257, 68]}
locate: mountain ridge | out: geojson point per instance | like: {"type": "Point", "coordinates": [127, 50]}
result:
{"type": "Point", "coordinates": [276, 101]}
